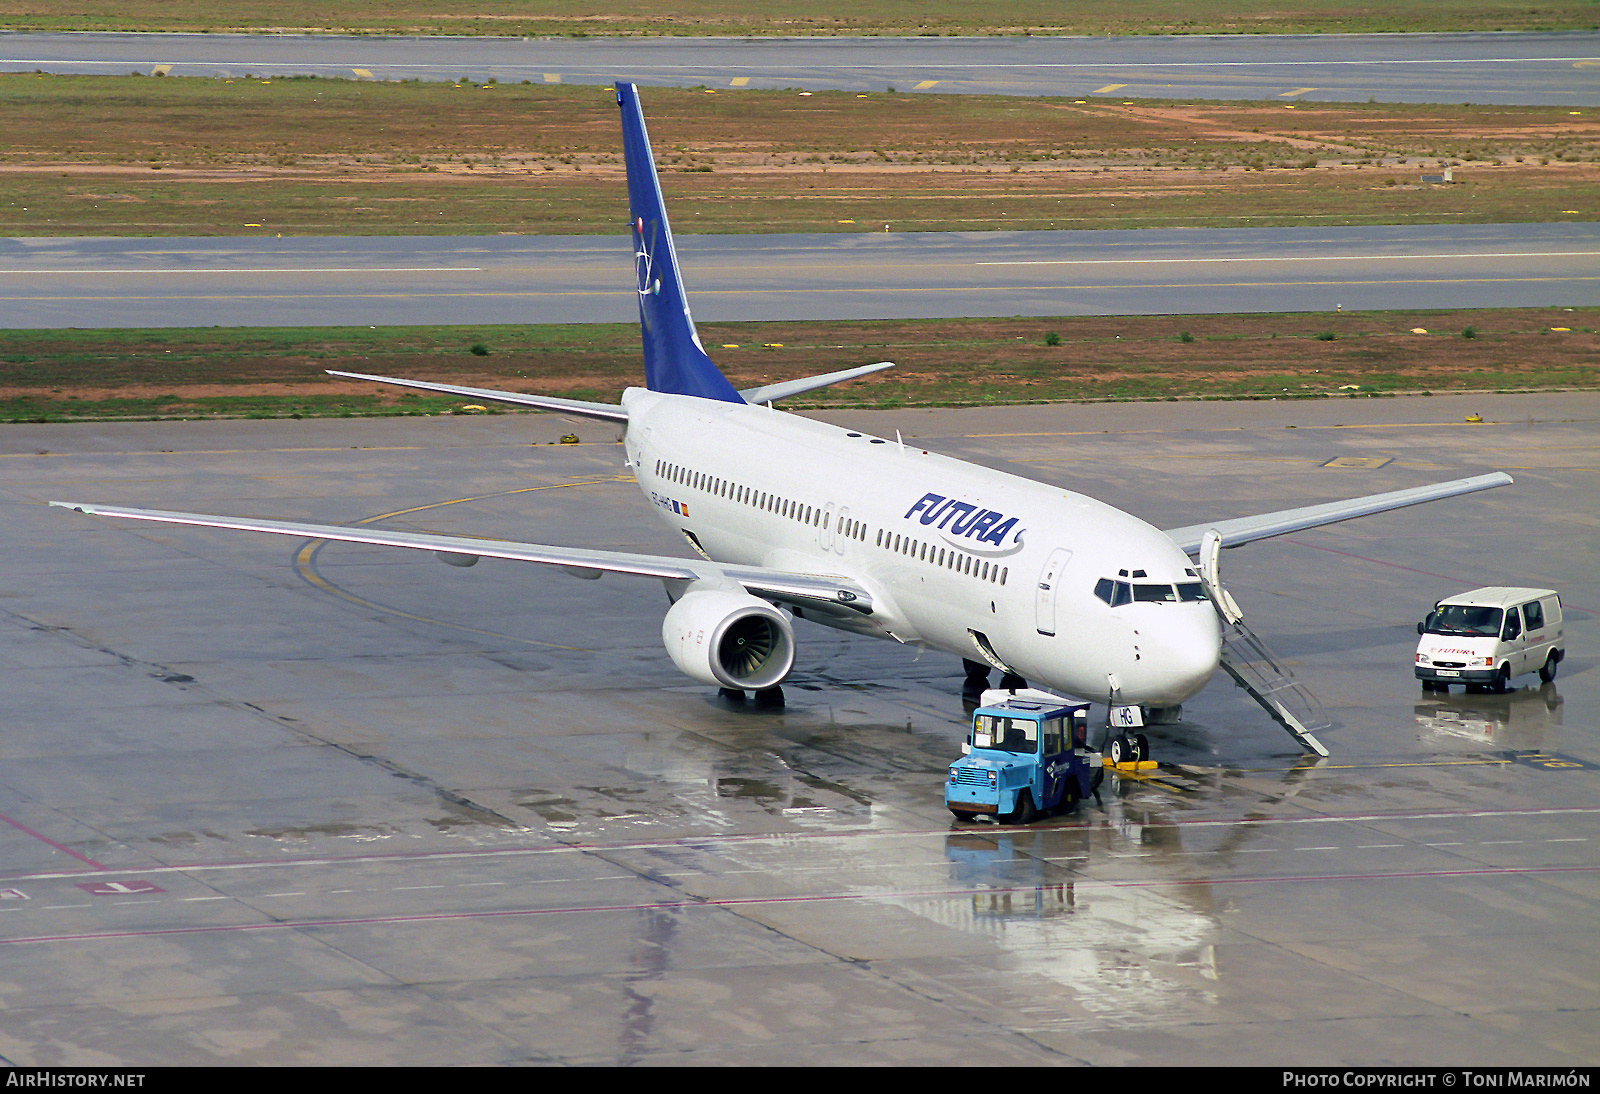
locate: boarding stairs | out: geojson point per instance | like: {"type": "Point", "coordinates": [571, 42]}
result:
{"type": "Point", "coordinates": [1246, 658]}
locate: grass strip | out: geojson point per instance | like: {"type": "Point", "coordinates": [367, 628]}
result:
{"type": "Point", "coordinates": [279, 372]}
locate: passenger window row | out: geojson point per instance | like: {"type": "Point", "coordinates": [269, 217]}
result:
{"type": "Point", "coordinates": [758, 499]}
{"type": "Point", "coordinates": [930, 553]}
{"type": "Point", "coordinates": [935, 555]}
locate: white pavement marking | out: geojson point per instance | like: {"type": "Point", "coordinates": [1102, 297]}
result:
{"type": "Point", "coordinates": [244, 270]}
{"type": "Point", "coordinates": [1281, 258]}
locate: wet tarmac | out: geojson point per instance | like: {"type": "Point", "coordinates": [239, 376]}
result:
{"type": "Point", "coordinates": [266, 802]}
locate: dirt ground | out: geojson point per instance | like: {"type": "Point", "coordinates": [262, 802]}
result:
{"type": "Point", "coordinates": [765, 17]}
{"type": "Point", "coordinates": [125, 156]}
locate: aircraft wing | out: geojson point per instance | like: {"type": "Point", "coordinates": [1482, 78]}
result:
{"type": "Point", "coordinates": [1242, 530]}
{"type": "Point", "coordinates": [806, 590]}
{"type": "Point", "coordinates": [607, 411]}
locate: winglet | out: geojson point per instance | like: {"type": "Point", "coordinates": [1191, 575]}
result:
{"type": "Point", "coordinates": [674, 360]}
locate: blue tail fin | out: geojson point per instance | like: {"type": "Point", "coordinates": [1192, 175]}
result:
{"type": "Point", "coordinates": [674, 359]}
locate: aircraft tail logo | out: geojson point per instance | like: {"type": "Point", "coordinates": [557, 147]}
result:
{"type": "Point", "coordinates": [674, 360]}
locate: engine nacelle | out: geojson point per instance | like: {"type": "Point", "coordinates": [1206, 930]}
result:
{"type": "Point", "coordinates": [729, 638]}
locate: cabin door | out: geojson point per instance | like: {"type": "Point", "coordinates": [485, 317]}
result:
{"type": "Point", "coordinates": [1044, 598]}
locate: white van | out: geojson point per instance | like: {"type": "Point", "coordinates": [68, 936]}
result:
{"type": "Point", "coordinates": [1488, 636]}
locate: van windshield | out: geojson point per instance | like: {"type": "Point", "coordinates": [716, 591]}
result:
{"type": "Point", "coordinates": [1465, 619]}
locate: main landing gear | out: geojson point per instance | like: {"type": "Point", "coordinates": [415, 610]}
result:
{"type": "Point", "coordinates": [765, 699]}
{"type": "Point", "coordinates": [977, 679]}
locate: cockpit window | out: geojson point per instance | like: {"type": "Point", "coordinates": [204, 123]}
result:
{"type": "Point", "coordinates": [1118, 593]}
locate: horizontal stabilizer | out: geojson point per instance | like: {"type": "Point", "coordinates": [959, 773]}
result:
{"type": "Point", "coordinates": [773, 392]}
{"type": "Point", "coordinates": [607, 411]}
{"type": "Point", "coordinates": [1244, 530]}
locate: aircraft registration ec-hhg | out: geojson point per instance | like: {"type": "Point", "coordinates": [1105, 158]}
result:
{"type": "Point", "coordinates": [793, 518]}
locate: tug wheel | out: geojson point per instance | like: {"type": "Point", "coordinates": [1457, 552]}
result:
{"type": "Point", "coordinates": [1024, 811]}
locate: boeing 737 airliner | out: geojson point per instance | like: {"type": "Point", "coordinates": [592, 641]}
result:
{"type": "Point", "coordinates": [792, 518]}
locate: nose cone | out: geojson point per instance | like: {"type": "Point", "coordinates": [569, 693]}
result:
{"type": "Point", "coordinates": [1182, 655]}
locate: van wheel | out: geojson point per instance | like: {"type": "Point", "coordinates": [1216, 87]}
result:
{"type": "Point", "coordinates": [1547, 671]}
{"type": "Point", "coordinates": [1502, 680]}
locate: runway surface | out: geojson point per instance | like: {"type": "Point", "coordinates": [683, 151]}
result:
{"type": "Point", "coordinates": [102, 282]}
{"type": "Point", "coordinates": [269, 803]}
{"type": "Point", "coordinates": [1535, 69]}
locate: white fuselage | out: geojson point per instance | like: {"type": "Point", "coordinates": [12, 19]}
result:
{"type": "Point", "coordinates": [956, 556]}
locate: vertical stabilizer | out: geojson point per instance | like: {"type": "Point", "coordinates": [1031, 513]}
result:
{"type": "Point", "coordinates": [674, 359]}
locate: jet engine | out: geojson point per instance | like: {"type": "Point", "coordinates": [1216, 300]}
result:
{"type": "Point", "coordinates": [729, 638]}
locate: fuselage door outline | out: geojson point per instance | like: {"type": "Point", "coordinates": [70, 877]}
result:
{"type": "Point", "coordinates": [1044, 600]}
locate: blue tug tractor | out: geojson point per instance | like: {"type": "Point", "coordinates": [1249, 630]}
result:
{"type": "Point", "coordinates": [1027, 753]}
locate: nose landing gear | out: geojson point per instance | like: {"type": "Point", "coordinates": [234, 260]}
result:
{"type": "Point", "coordinates": [1127, 748]}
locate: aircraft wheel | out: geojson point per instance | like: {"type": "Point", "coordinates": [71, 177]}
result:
{"type": "Point", "coordinates": [1141, 747]}
{"type": "Point", "coordinates": [770, 698]}
{"type": "Point", "coordinates": [1547, 671]}
{"type": "Point", "coordinates": [1117, 749]}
